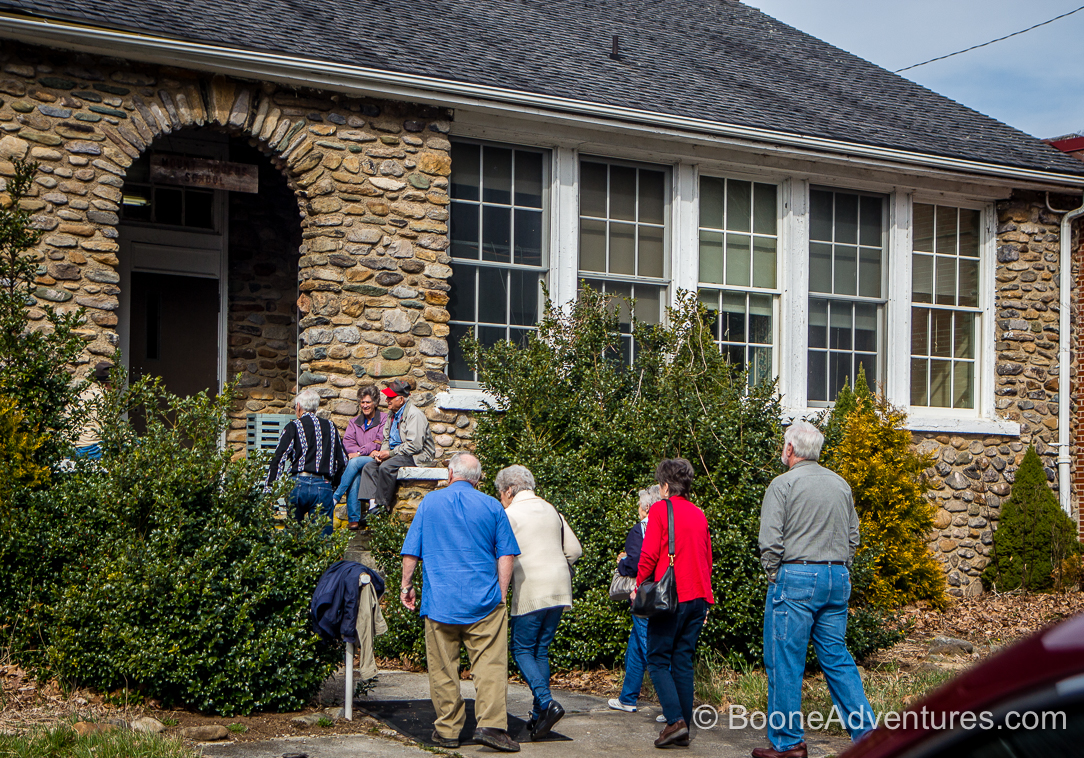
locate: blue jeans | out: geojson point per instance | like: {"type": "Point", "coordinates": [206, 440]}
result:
{"type": "Point", "coordinates": [349, 484]}
{"type": "Point", "coordinates": [807, 600]}
{"type": "Point", "coordinates": [310, 495]}
{"type": "Point", "coordinates": [635, 662]}
{"type": "Point", "coordinates": [90, 452]}
{"type": "Point", "coordinates": [532, 635]}
{"type": "Point", "coordinates": [671, 640]}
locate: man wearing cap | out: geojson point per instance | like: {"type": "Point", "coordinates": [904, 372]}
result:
{"type": "Point", "coordinates": [408, 441]}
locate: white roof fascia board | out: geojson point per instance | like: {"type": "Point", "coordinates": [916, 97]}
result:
{"type": "Point", "coordinates": [308, 72]}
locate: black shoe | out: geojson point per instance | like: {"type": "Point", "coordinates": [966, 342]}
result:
{"type": "Point", "coordinates": [532, 724]}
{"type": "Point", "coordinates": [497, 739]}
{"type": "Point", "coordinates": [439, 741]}
{"type": "Point", "coordinates": [546, 721]}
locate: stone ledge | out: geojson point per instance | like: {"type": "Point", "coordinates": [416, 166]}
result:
{"type": "Point", "coordinates": [1001, 427]}
{"type": "Point", "coordinates": [461, 399]}
{"type": "Point", "coordinates": [426, 473]}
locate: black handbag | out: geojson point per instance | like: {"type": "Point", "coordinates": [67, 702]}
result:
{"type": "Point", "coordinates": [654, 598]}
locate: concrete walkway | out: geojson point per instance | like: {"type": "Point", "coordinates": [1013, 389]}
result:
{"type": "Point", "coordinates": [594, 729]}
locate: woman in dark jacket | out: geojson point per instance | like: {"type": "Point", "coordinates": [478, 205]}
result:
{"type": "Point", "coordinates": [636, 653]}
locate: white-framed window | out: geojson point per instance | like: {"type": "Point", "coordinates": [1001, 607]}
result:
{"type": "Point", "coordinates": [624, 211]}
{"type": "Point", "coordinates": [847, 264]}
{"type": "Point", "coordinates": [946, 309]}
{"type": "Point", "coordinates": [738, 235]}
{"type": "Point", "coordinates": [498, 235]}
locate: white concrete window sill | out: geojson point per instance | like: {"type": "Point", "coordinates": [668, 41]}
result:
{"type": "Point", "coordinates": [459, 399]}
{"type": "Point", "coordinates": [924, 423]}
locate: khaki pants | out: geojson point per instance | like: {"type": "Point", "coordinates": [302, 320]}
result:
{"type": "Point", "coordinates": [487, 646]}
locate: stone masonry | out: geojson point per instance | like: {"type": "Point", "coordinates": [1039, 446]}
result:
{"type": "Point", "coordinates": [972, 474]}
{"type": "Point", "coordinates": [371, 187]}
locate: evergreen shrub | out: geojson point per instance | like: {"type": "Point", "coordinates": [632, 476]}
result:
{"type": "Point", "coordinates": [1034, 536]}
{"type": "Point", "coordinates": [160, 568]}
{"type": "Point", "coordinates": [592, 427]}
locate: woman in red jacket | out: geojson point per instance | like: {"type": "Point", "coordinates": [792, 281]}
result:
{"type": "Point", "coordinates": [671, 637]}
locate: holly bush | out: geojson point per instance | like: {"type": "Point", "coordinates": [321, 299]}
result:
{"type": "Point", "coordinates": [161, 569]}
{"type": "Point", "coordinates": [1034, 537]}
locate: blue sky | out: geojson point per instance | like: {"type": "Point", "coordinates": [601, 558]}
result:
{"type": "Point", "coordinates": [1034, 82]}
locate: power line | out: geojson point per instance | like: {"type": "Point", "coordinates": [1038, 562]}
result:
{"type": "Point", "coordinates": [999, 39]}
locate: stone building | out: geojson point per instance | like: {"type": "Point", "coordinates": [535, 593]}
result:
{"type": "Point", "coordinates": [334, 198]}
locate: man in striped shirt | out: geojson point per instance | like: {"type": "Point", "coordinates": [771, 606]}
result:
{"type": "Point", "coordinates": [311, 451]}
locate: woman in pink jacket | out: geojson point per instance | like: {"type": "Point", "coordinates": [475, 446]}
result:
{"type": "Point", "coordinates": [363, 436]}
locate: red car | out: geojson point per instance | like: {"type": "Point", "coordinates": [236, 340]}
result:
{"type": "Point", "coordinates": [1025, 702]}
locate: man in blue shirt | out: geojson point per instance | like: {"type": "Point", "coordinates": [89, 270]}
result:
{"type": "Point", "coordinates": [466, 546]}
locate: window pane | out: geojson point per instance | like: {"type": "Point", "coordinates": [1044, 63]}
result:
{"type": "Point", "coordinates": [711, 202]}
{"type": "Point", "coordinates": [520, 336]}
{"type": "Point", "coordinates": [764, 212]}
{"type": "Point", "coordinates": [820, 267]}
{"type": "Point", "coordinates": [592, 245]}
{"type": "Point", "coordinates": [738, 252]}
{"type": "Point", "coordinates": [760, 364]}
{"type": "Point", "coordinates": [969, 283]}
{"type": "Point", "coordinates": [650, 251]}
{"type": "Point", "coordinates": [941, 333]}
{"type": "Point", "coordinates": [528, 237]}
{"type": "Point", "coordinates": [820, 215]}
{"type": "Point", "coordinates": [529, 179]}
{"type": "Point", "coordinates": [623, 193]}
{"type": "Point", "coordinates": [491, 335]}
{"type": "Point", "coordinates": [919, 390]}
{"type": "Point", "coordinates": [496, 175]}
{"type": "Point", "coordinates": [620, 295]}
{"type": "Point", "coordinates": [867, 361]}
{"type": "Point", "coordinates": [865, 328]}
{"type": "Point", "coordinates": [940, 383]}
{"type": "Point", "coordinates": [525, 293]}
{"type": "Point", "coordinates": [969, 232]}
{"type": "Point", "coordinates": [464, 230]}
{"type": "Point", "coordinates": [493, 288]}
{"type": "Point", "coordinates": [945, 286]}
{"type": "Point", "coordinates": [817, 374]}
{"type": "Point", "coordinates": [946, 230]}
{"type": "Point", "coordinates": [738, 206]}
{"type": "Point", "coordinates": [870, 217]}
{"type": "Point", "coordinates": [465, 171]}
{"type": "Point", "coordinates": [760, 319]}
{"type": "Point", "coordinates": [845, 274]}
{"type": "Point", "coordinates": [922, 234]}
{"type": "Point", "coordinates": [920, 331]}
{"type": "Point", "coordinates": [652, 197]}
{"type": "Point", "coordinates": [735, 355]}
{"type": "Point", "coordinates": [711, 257]}
{"type": "Point", "coordinates": [168, 206]}
{"type": "Point", "coordinates": [648, 305]}
{"type": "Point", "coordinates": [763, 262]}
{"type": "Point", "coordinates": [710, 300]}
{"type": "Point", "coordinates": [846, 218]}
{"type": "Point", "coordinates": [622, 248]}
{"type": "Point", "coordinates": [734, 315]}
{"type": "Point", "coordinates": [869, 272]}
{"type": "Point", "coordinates": [199, 209]}
{"type": "Point", "coordinates": [457, 362]}
{"type": "Point", "coordinates": [840, 372]}
{"type": "Point", "coordinates": [964, 336]}
{"type": "Point", "coordinates": [963, 385]}
{"type": "Point", "coordinates": [839, 334]}
{"type": "Point", "coordinates": [461, 296]}
{"type": "Point", "coordinates": [922, 278]}
{"type": "Point", "coordinates": [593, 190]}
{"type": "Point", "coordinates": [496, 233]}
{"type": "Point", "coordinates": [818, 323]}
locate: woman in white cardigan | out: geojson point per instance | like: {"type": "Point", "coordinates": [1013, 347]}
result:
{"type": "Point", "coordinates": [541, 587]}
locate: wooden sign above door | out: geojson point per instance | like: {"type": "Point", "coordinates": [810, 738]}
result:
{"type": "Point", "coordinates": [200, 172]}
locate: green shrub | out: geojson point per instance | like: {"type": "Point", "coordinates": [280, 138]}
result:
{"type": "Point", "coordinates": [160, 568]}
{"type": "Point", "coordinates": [1034, 536]}
{"type": "Point", "coordinates": [866, 443]}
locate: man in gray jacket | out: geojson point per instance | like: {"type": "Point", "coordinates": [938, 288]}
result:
{"type": "Point", "coordinates": [408, 441]}
{"type": "Point", "coordinates": [808, 536]}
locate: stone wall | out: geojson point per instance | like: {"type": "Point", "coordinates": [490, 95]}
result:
{"type": "Point", "coordinates": [370, 181]}
{"type": "Point", "coordinates": [972, 474]}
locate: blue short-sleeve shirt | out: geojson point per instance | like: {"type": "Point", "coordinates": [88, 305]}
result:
{"type": "Point", "coordinates": [458, 533]}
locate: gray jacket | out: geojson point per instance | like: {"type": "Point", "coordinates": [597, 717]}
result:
{"type": "Point", "coordinates": [807, 515]}
{"type": "Point", "coordinates": [417, 438]}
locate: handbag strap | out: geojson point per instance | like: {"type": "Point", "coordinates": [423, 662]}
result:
{"type": "Point", "coordinates": [670, 528]}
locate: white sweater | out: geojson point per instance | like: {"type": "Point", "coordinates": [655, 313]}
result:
{"type": "Point", "coordinates": [540, 577]}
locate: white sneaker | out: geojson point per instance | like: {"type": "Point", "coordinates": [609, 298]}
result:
{"type": "Point", "coordinates": [661, 718]}
{"type": "Point", "coordinates": [617, 705]}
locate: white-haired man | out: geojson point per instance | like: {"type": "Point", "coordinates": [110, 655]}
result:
{"type": "Point", "coordinates": [466, 546]}
{"type": "Point", "coordinates": [808, 535]}
{"type": "Point", "coordinates": [310, 450]}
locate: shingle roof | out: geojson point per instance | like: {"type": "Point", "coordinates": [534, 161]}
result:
{"type": "Point", "coordinates": [709, 59]}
